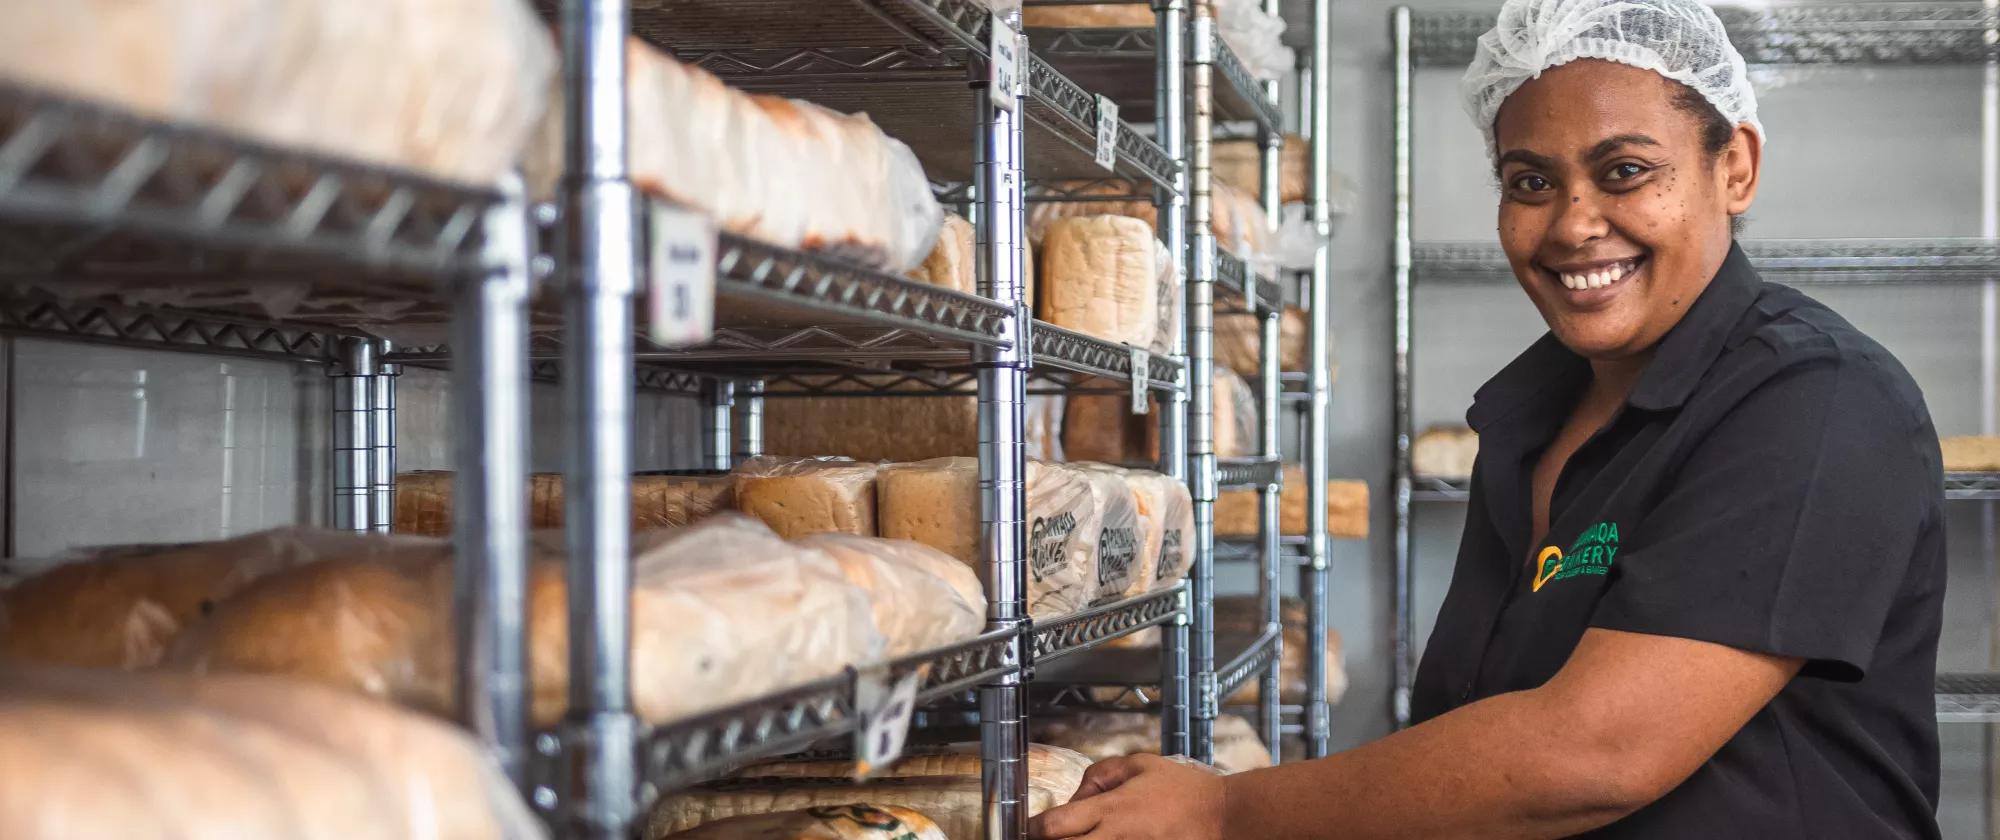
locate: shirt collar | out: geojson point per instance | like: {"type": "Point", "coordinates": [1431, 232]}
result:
{"type": "Point", "coordinates": [1683, 357]}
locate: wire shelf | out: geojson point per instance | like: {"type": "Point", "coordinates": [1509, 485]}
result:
{"type": "Point", "coordinates": [1425, 488]}
{"type": "Point", "coordinates": [43, 316]}
{"type": "Point", "coordinates": [905, 63]}
{"type": "Point", "coordinates": [103, 173]}
{"type": "Point", "coordinates": [1093, 627]}
{"type": "Point", "coordinates": [962, 666]}
{"type": "Point", "coordinates": [1120, 63]}
{"type": "Point", "coordinates": [1968, 698]}
{"type": "Point", "coordinates": [1246, 665]}
{"type": "Point", "coordinates": [1128, 678]}
{"type": "Point", "coordinates": [1862, 261]}
{"type": "Point", "coordinates": [1233, 274]}
{"type": "Point", "coordinates": [1818, 33]}
{"type": "Point", "coordinates": [1248, 473]}
{"type": "Point", "coordinates": [1291, 547]}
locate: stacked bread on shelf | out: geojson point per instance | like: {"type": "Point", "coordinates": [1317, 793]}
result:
{"type": "Point", "coordinates": [1450, 451]}
{"type": "Point", "coordinates": [924, 425]}
{"type": "Point", "coordinates": [941, 785]}
{"type": "Point", "coordinates": [1256, 36]}
{"type": "Point", "coordinates": [424, 501]}
{"type": "Point", "coordinates": [855, 821]}
{"type": "Point", "coordinates": [448, 88]}
{"type": "Point", "coordinates": [1102, 427]}
{"type": "Point", "coordinates": [794, 174]}
{"type": "Point", "coordinates": [1100, 735]}
{"type": "Point", "coordinates": [723, 611]}
{"type": "Point", "coordinates": [99, 754]}
{"type": "Point", "coordinates": [1236, 511]}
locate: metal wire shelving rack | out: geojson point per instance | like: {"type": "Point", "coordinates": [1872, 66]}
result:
{"type": "Point", "coordinates": [1877, 33]}
{"type": "Point", "coordinates": [506, 293]}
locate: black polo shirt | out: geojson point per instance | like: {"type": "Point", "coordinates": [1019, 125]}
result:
{"type": "Point", "coordinates": [1772, 484]}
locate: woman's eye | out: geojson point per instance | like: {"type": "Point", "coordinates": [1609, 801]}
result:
{"type": "Point", "coordinates": [1626, 171]}
{"type": "Point", "coordinates": [1531, 183]}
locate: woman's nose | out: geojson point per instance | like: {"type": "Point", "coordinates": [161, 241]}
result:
{"type": "Point", "coordinates": [1578, 220]}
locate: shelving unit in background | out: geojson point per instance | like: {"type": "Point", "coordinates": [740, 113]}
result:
{"type": "Point", "coordinates": [1829, 33]}
{"type": "Point", "coordinates": [361, 250]}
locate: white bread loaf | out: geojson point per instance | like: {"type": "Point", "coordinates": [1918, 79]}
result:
{"type": "Point", "coordinates": [1170, 506]}
{"type": "Point", "coordinates": [1346, 508]}
{"type": "Point", "coordinates": [921, 597]}
{"type": "Point", "coordinates": [780, 170]}
{"type": "Point", "coordinates": [914, 429]}
{"type": "Point", "coordinates": [954, 260]}
{"type": "Point", "coordinates": [451, 88]}
{"type": "Point", "coordinates": [1106, 735]}
{"type": "Point", "coordinates": [1102, 427]}
{"type": "Point", "coordinates": [1966, 453]}
{"type": "Point", "coordinates": [858, 821]}
{"type": "Point", "coordinates": [121, 608]}
{"type": "Point", "coordinates": [159, 755]}
{"type": "Point", "coordinates": [1100, 277]}
{"type": "Point", "coordinates": [802, 496]}
{"type": "Point", "coordinates": [1128, 532]}
{"type": "Point", "coordinates": [936, 503]}
{"type": "Point", "coordinates": [424, 501]}
{"type": "Point", "coordinates": [1043, 214]}
{"type": "Point", "coordinates": [1449, 452]}
{"type": "Point", "coordinates": [1239, 342]}
{"type": "Point", "coordinates": [951, 796]}
{"type": "Point", "coordinates": [722, 611]}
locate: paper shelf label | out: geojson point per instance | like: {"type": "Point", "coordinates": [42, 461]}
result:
{"type": "Point", "coordinates": [1142, 360]}
{"type": "Point", "coordinates": [680, 287]}
{"type": "Point", "coordinates": [1004, 67]}
{"type": "Point", "coordinates": [885, 708]}
{"type": "Point", "coordinates": [1107, 133]}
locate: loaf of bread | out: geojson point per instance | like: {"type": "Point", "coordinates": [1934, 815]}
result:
{"type": "Point", "coordinates": [424, 501]}
{"type": "Point", "coordinates": [1346, 508]}
{"type": "Point", "coordinates": [1044, 214]}
{"type": "Point", "coordinates": [857, 821]}
{"type": "Point", "coordinates": [1966, 453]}
{"type": "Point", "coordinates": [1239, 342]}
{"type": "Point", "coordinates": [451, 88]}
{"type": "Point", "coordinates": [1172, 507]}
{"type": "Point", "coordinates": [121, 608]}
{"type": "Point", "coordinates": [722, 611]}
{"type": "Point", "coordinates": [804, 496]}
{"type": "Point", "coordinates": [936, 503]}
{"type": "Point", "coordinates": [1244, 614]}
{"type": "Point", "coordinates": [1233, 419]}
{"type": "Point", "coordinates": [1105, 735]}
{"type": "Point", "coordinates": [954, 261]}
{"type": "Point", "coordinates": [157, 755]}
{"type": "Point", "coordinates": [921, 598]}
{"type": "Point", "coordinates": [914, 429]}
{"type": "Point", "coordinates": [1099, 277]}
{"type": "Point", "coordinates": [780, 170]}
{"type": "Point", "coordinates": [1102, 427]}
{"type": "Point", "coordinates": [1088, 16]}
{"type": "Point", "coordinates": [1449, 452]}
{"type": "Point", "coordinates": [1235, 163]}
{"type": "Point", "coordinates": [1120, 535]}
{"type": "Point", "coordinates": [951, 796]}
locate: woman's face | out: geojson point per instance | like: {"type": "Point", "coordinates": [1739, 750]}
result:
{"type": "Point", "coordinates": [1612, 213]}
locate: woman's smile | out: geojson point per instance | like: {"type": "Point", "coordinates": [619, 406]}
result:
{"type": "Point", "coordinates": [1591, 284]}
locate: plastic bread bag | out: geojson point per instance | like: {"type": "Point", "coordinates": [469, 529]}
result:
{"type": "Point", "coordinates": [450, 88]}
{"type": "Point", "coordinates": [852, 821]}
{"type": "Point", "coordinates": [936, 503]}
{"type": "Point", "coordinates": [1044, 426]}
{"type": "Point", "coordinates": [121, 607]}
{"type": "Point", "coordinates": [801, 496]}
{"type": "Point", "coordinates": [159, 755]}
{"type": "Point", "coordinates": [1168, 308]}
{"type": "Point", "coordinates": [783, 171]}
{"type": "Point", "coordinates": [921, 598]}
{"type": "Point", "coordinates": [1127, 533]}
{"type": "Point", "coordinates": [1256, 36]}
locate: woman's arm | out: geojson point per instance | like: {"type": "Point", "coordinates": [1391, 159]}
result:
{"type": "Point", "coordinates": [1629, 717]}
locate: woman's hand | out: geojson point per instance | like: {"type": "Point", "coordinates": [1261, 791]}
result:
{"type": "Point", "coordinates": [1140, 797]}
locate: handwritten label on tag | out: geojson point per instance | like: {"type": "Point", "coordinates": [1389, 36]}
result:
{"type": "Point", "coordinates": [1141, 378]}
{"type": "Point", "coordinates": [1107, 133]}
{"type": "Point", "coordinates": [1004, 66]}
{"type": "Point", "coordinates": [885, 709]}
{"type": "Point", "coordinates": [680, 291]}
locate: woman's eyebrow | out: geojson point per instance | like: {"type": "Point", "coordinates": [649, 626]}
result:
{"type": "Point", "coordinates": [1525, 157]}
{"type": "Point", "coordinates": [1611, 144]}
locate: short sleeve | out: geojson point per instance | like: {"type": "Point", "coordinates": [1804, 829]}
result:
{"type": "Point", "coordinates": [1790, 526]}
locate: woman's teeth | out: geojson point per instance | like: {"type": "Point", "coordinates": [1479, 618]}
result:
{"type": "Point", "coordinates": [1598, 278]}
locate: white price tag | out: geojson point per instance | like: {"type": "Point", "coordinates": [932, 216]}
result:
{"type": "Point", "coordinates": [680, 288]}
{"type": "Point", "coordinates": [1107, 133]}
{"type": "Point", "coordinates": [1004, 67]}
{"type": "Point", "coordinates": [885, 717]}
{"type": "Point", "coordinates": [1141, 378]}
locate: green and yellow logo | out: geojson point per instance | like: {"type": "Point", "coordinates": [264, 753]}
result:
{"type": "Point", "coordinates": [1591, 554]}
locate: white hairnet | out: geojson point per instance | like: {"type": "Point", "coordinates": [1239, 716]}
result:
{"type": "Point", "coordinates": [1679, 39]}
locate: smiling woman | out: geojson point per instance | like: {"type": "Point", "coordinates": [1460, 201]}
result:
{"type": "Point", "coordinates": [1701, 581]}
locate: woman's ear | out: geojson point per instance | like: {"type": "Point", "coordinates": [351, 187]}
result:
{"type": "Point", "coordinates": [1741, 164]}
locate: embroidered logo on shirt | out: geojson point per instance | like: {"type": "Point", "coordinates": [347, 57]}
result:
{"type": "Point", "coordinates": [1591, 554]}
